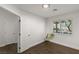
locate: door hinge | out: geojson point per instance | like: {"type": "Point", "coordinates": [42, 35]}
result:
{"type": "Point", "coordinates": [19, 34]}
{"type": "Point", "coordinates": [19, 20]}
{"type": "Point", "coordinates": [19, 47]}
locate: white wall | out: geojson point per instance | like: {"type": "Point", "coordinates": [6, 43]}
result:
{"type": "Point", "coordinates": [32, 31]}
{"type": "Point", "coordinates": [32, 25]}
{"type": "Point", "coordinates": [66, 39]}
{"type": "Point", "coordinates": [8, 27]}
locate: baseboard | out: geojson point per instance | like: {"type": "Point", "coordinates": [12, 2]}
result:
{"type": "Point", "coordinates": [6, 44]}
{"type": "Point", "coordinates": [32, 46]}
{"type": "Point", "coordinates": [65, 45]}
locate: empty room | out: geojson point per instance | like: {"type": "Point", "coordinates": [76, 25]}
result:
{"type": "Point", "coordinates": [39, 28]}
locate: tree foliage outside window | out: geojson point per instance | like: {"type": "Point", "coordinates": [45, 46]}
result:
{"type": "Point", "coordinates": [62, 27]}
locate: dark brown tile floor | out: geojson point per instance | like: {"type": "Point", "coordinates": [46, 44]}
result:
{"type": "Point", "coordinates": [9, 49]}
{"type": "Point", "coordinates": [50, 48]}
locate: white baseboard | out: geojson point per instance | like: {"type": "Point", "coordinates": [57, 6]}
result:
{"type": "Point", "coordinates": [24, 49]}
{"type": "Point", "coordinates": [1, 45]}
{"type": "Point", "coordinates": [73, 47]}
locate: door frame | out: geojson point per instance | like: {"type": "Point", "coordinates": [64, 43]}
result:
{"type": "Point", "coordinates": [19, 42]}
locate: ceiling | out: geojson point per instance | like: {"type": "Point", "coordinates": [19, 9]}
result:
{"type": "Point", "coordinates": [47, 12]}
